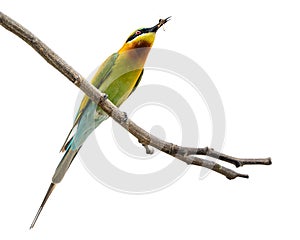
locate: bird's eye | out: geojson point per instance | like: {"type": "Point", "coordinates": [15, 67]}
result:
{"type": "Point", "coordinates": [138, 32]}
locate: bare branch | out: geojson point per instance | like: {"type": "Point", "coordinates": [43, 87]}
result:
{"type": "Point", "coordinates": [210, 152]}
{"type": "Point", "coordinates": [181, 153]}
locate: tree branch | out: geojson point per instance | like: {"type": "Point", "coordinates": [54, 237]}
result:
{"type": "Point", "coordinates": [182, 153]}
{"type": "Point", "coordinates": [210, 152]}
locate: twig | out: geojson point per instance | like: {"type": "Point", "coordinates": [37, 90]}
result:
{"type": "Point", "coordinates": [210, 152]}
{"type": "Point", "coordinates": [148, 149]}
{"type": "Point", "coordinates": [181, 153]}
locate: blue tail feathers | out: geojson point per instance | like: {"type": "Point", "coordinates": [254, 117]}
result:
{"type": "Point", "coordinates": [65, 163]}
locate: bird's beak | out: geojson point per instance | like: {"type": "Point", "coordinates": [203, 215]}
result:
{"type": "Point", "coordinates": [160, 23]}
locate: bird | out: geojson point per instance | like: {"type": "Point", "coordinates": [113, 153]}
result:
{"type": "Point", "coordinates": [117, 77]}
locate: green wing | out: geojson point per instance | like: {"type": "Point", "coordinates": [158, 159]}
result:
{"type": "Point", "coordinates": [100, 76]}
{"type": "Point", "coordinates": [137, 82]}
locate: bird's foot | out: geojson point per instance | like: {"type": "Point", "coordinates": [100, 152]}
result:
{"type": "Point", "coordinates": [104, 98]}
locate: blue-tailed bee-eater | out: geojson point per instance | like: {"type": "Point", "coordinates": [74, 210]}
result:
{"type": "Point", "coordinates": [117, 77]}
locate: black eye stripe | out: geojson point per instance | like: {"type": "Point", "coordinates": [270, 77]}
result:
{"type": "Point", "coordinates": [137, 33]}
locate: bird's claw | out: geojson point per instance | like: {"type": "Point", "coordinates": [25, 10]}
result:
{"type": "Point", "coordinates": [104, 98]}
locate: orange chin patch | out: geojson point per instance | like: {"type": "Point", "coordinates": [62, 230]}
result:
{"type": "Point", "coordinates": [135, 45]}
{"type": "Point", "coordinates": [141, 44]}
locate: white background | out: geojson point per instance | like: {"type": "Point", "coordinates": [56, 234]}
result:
{"type": "Point", "coordinates": [250, 49]}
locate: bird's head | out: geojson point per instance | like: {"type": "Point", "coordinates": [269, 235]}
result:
{"type": "Point", "coordinates": [142, 37]}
